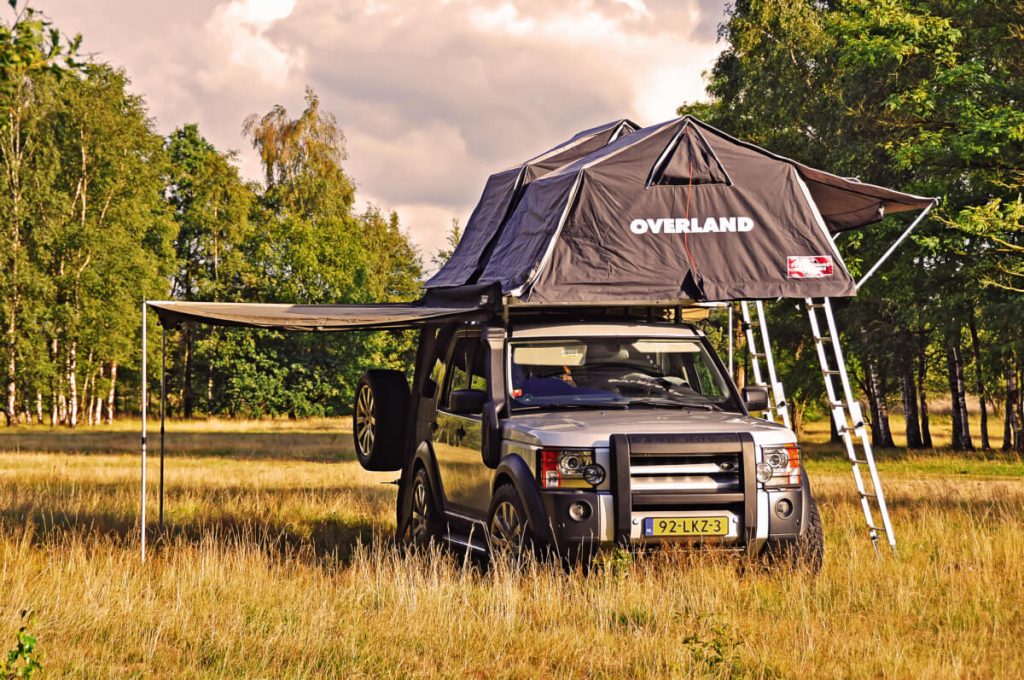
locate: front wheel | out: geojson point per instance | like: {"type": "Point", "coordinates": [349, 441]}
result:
{"type": "Point", "coordinates": [509, 533]}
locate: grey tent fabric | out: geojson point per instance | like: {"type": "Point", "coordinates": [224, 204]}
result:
{"type": "Point", "coordinates": [682, 211]}
{"type": "Point", "coordinates": [499, 197]}
{"type": "Point", "coordinates": [310, 317]}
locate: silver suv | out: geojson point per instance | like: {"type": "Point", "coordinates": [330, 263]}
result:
{"type": "Point", "coordinates": [565, 438]}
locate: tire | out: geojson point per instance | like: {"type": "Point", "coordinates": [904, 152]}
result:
{"type": "Point", "coordinates": [810, 549]}
{"type": "Point", "coordinates": [380, 416]}
{"type": "Point", "coordinates": [808, 552]}
{"type": "Point", "coordinates": [509, 535]}
{"type": "Point", "coordinates": [424, 525]}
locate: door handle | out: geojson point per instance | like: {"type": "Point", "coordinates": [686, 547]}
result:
{"type": "Point", "coordinates": [433, 426]}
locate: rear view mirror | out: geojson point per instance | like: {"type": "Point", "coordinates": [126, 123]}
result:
{"type": "Point", "coordinates": [467, 402]}
{"type": "Point", "coordinates": [755, 398]}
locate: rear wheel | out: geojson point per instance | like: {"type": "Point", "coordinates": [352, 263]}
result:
{"type": "Point", "coordinates": [424, 518]}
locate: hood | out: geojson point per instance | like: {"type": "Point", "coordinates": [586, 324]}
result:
{"type": "Point", "coordinates": [595, 428]}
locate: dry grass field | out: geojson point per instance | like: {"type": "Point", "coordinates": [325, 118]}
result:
{"type": "Point", "coordinates": [277, 562]}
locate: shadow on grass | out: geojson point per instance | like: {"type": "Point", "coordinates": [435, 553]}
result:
{"type": "Point", "coordinates": [326, 446]}
{"type": "Point", "coordinates": [327, 535]}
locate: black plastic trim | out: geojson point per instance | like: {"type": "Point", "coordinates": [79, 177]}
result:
{"type": "Point", "coordinates": [622, 497]}
{"type": "Point", "coordinates": [514, 467]}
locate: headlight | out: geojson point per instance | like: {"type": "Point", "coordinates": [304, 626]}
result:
{"type": "Point", "coordinates": [568, 468]}
{"type": "Point", "coordinates": [784, 462]}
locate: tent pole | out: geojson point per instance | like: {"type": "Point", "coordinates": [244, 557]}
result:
{"type": "Point", "coordinates": [892, 248]}
{"type": "Point", "coordinates": [163, 415]}
{"type": "Point", "coordinates": [142, 520]}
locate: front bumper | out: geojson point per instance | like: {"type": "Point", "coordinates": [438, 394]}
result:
{"type": "Point", "coordinates": [617, 517]}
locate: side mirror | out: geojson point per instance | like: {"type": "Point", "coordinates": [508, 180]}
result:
{"type": "Point", "coordinates": [467, 402]}
{"type": "Point", "coordinates": [755, 398]}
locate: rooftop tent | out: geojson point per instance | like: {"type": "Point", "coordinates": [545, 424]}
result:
{"type": "Point", "coordinates": [502, 191]}
{"type": "Point", "coordinates": [682, 211]}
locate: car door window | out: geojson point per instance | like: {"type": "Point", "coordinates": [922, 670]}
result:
{"type": "Point", "coordinates": [466, 369]}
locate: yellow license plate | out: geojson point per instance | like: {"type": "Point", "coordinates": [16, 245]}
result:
{"type": "Point", "coordinates": [686, 526]}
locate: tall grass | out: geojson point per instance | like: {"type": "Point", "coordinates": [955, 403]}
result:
{"type": "Point", "coordinates": [276, 564]}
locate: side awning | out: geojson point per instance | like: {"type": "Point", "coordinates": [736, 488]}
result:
{"type": "Point", "coordinates": [437, 307]}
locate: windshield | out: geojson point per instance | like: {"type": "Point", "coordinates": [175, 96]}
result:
{"type": "Point", "coordinates": [617, 372]}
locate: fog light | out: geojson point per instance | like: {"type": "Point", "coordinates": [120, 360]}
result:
{"type": "Point", "coordinates": [579, 511]}
{"type": "Point", "coordinates": [764, 472]}
{"type": "Point", "coordinates": [784, 508]}
{"type": "Point", "coordinates": [593, 474]}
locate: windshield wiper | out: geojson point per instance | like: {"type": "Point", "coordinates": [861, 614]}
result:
{"type": "Point", "coordinates": [670, 403]}
{"type": "Point", "coordinates": [569, 406]}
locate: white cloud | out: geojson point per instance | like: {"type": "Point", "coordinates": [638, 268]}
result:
{"type": "Point", "coordinates": [238, 42]}
{"type": "Point", "coordinates": [433, 96]}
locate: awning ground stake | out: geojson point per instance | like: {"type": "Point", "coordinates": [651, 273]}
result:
{"type": "Point", "coordinates": [142, 517]}
{"type": "Point", "coordinates": [163, 415]}
{"type": "Point", "coordinates": [849, 421]}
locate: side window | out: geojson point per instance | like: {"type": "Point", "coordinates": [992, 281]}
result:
{"type": "Point", "coordinates": [466, 370]}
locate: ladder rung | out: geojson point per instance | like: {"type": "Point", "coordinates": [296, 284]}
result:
{"type": "Point", "coordinates": [757, 355]}
{"type": "Point", "coordinates": [823, 338]}
{"type": "Point", "coordinates": [816, 305]}
{"type": "Point", "coordinates": [865, 494]}
{"type": "Point", "coordinates": [860, 462]}
{"type": "Point", "coordinates": [829, 371]}
{"type": "Point", "coordinates": [877, 529]}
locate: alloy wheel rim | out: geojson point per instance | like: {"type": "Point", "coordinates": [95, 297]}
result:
{"type": "Point", "coordinates": [506, 529]}
{"type": "Point", "coordinates": [419, 510]}
{"type": "Point", "coordinates": [366, 421]}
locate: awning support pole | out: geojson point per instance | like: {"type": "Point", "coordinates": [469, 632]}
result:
{"type": "Point", "coordinates": [142, 519]}
{"type": "Point", "coordinates": [895, 245]}
{"type": "Point", "coordinates": [163, 415]}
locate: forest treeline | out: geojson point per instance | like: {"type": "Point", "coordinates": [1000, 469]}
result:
{"type": "Point", "coordinates": [99, 211]}
{"type": "Point", "coordinates": [924, 96]}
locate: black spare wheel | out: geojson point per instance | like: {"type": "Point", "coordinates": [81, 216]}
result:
{"type": "Point", "coordinates": [379, 419]}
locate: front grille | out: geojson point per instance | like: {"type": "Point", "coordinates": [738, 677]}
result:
{"type": "Point", "coordinates": [684, 472]}
{"type": "Point", "coordinates": [697, 473]}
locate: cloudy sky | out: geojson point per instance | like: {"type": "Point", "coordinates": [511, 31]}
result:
{"type": "Point", "coordinates": [433, 95]}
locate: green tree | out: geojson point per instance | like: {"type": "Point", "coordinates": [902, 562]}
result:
{"type": "Point", "coordinates": [922, 96]}
{"type": "Point", "coordinates": [211, 206]}
{"type": "Point", "coordinates": [30, 51]}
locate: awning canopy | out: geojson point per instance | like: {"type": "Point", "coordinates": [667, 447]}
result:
{"type": "Point", "coordinates": [436, 307]}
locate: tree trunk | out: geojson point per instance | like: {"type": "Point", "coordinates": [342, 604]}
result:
{"type": "Point", "coordinates": [909, 393]}
{"type": "Point", "coordinates": [979, 379]}
{"type": "Point", "coordinates": [72, 378]}
{"type": "Point", "coordinates": [881, 433]}
{"type": "Point", "coordinates": [1013, 432]}
{"type": "Point", "coordinates": [110, 394]}
{"type": "Point", "coordinates": [958, 394]}
{"type": "Point", "coordinates": [39, 407]}
{"type": "Point", "coordinates": [187, 397]}
{"type": "Point", "coordinates": [922, 393]}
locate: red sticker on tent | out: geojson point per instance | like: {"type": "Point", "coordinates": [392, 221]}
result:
{"type": "Point", "coordinates": [808, 266]}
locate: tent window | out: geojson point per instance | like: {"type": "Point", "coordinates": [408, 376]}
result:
{"type": "Point", "coordinates": [688, 160]}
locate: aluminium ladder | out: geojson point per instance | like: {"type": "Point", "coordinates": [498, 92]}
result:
{"type": "Point", "coordinates": [777, 395]}
{"type": "Point", "coordinates": [849, 421]}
